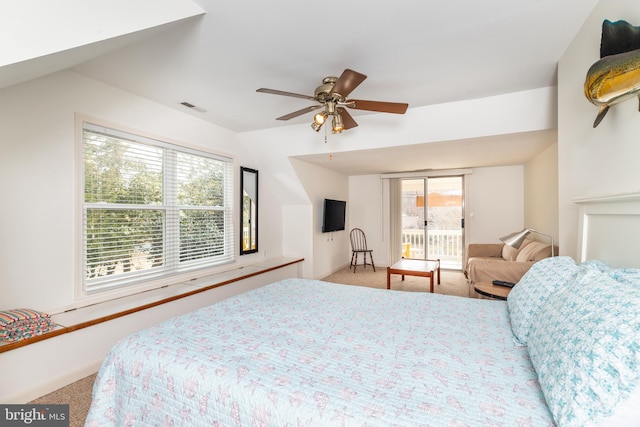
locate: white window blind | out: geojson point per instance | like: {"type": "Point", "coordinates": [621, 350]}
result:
{"type": "Point", "coordinates": [151, 209]}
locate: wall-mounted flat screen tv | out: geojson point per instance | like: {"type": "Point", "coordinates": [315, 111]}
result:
{"type": "Point", "coordinates": [334, 215]}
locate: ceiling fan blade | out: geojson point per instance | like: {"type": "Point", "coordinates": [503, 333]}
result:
{"type": "Point", "coordinates": [281, 92]}
{"type": "Point", "coordinates": [299, 112]}
{"type": "Point", "coordinates": [347, 120]}
{"type": "Point", "coordinates": [383, 107]}
{"type": "Point", "coordinates": [348, 81]}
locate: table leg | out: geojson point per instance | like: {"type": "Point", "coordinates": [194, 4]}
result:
{"type": "Point", "coordinates": [388, 279]}
{"type": "Point", "coordinates": [431, 281]}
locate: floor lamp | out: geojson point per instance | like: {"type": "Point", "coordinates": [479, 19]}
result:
{"type": "Point", "coordinates": [515, 239]}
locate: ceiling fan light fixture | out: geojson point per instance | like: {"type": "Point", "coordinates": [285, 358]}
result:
{"type": "Point", "coordinates": [320, 118]}
{"type": "Point", "coordinates": [316, 126]}
{"type": "Point", "coordinates": [337, 124]}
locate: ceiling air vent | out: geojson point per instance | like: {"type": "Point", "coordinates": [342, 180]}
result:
{"type": "Point", "coordinates": [193, 107]}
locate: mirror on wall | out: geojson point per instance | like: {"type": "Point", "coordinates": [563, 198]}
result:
{"type": "Point", "coordinates": [249, 211]}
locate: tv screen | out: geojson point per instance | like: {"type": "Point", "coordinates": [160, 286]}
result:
{"type": "Point", "coordinates": [334, 215]}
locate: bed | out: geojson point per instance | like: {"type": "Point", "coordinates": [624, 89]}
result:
{"type": "Point", "coordinates": [304, 352]}
{"type": "Point", "coordinates": [564, 350]}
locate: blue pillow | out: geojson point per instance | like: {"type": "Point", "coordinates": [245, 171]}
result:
{"type": "Point", "coordinates": [585, 347]}
{"type": "Point", "coordinates": [543, 279]}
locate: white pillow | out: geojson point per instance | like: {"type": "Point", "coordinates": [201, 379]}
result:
{"type": "Point", "coordinates": [626, 275]}
{"type": "Point", "coordinates": [585, 347]}
{"type": "Point", "coordinates": [543, 279]}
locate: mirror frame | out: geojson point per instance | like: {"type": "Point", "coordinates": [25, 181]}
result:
{"type": "Point", "coordinates": [248, 181]}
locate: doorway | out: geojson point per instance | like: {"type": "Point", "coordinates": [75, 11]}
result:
{"type": "Point", "coordinates": [433, 226]}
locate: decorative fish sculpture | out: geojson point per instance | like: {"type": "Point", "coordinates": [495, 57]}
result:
{"type": "Point", "coordinates": [616, 76]}
{"type": "Point", "coordinates": [611, 80]}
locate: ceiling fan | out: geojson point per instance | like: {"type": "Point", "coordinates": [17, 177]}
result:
{"type": "Point", "coordinates": [331, 96]}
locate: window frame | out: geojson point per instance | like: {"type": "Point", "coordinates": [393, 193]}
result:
{"type": "Point", "coordinates": [135, 283]}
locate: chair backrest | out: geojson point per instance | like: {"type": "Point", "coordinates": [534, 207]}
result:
{"type": "Point", "coordinates": [358, 240]}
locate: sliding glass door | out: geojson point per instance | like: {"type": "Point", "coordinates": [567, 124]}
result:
{"type": "Point", "coordinates": [432, 226]}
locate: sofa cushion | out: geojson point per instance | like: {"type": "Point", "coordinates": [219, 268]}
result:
{"type": "Point", "coordinates": [534, 251]}
{"type": "Point", "coordinates": [509, 253]}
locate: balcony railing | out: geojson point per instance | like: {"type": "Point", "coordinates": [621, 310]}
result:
{"type": "Point", "coordinates": [445, 245]}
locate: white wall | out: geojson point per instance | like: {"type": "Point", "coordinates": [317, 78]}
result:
{"type": "Point", "coordinates": [330, 250]}
{"type": "Point", "coordinates": [541, 194]}
{"type": "Point", "coordinates": [600, 161]}
{"type": "Point", "coordinates": [494, 203]}
{"type": "Point", "coordinates": [366, 211]}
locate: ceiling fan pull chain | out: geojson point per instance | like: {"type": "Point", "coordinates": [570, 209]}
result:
{"type": "Point", "coordinates": [326, 139]}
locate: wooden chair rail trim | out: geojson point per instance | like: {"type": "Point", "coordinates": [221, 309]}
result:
{"type": "Point", "coordinates": [70, 328]}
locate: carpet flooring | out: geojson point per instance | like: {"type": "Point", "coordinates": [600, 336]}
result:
{"type": "Point", "coordinates": [78, 394]}
{"type": "Point", "coordinates": [452, 282]}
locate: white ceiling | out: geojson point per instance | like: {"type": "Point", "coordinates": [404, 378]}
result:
{"type": "Point", "coordinates": [420, 52]}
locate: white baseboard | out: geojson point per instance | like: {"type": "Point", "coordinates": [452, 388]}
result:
{"type": "Point", "coordinates": [54, 384]}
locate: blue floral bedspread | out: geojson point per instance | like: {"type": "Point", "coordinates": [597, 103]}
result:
{"type": "Point", "coordinates": [311, 353]}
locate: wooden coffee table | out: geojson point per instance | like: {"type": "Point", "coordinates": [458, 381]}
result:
{"type": "Point", "coordinates": [492, 291]}
{"type": "Point", "coordinates": [414, 267]}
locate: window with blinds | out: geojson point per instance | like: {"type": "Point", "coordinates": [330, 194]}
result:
{"type": "Point", "coordinates": [151, 209]}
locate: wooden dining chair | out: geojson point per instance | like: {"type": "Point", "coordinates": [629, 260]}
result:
{"type": "Point", "coordinates": [359, 246]}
